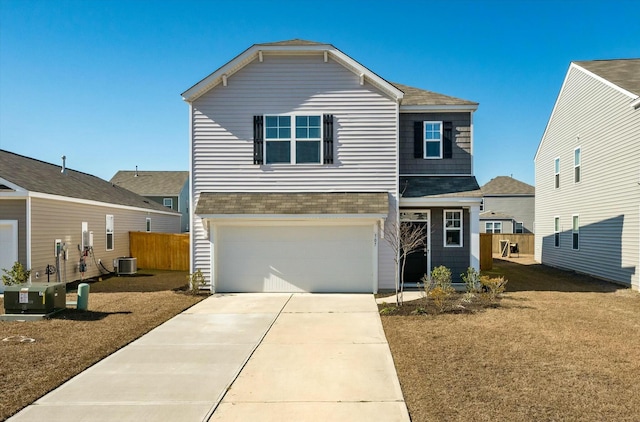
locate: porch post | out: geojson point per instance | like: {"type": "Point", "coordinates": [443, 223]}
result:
{"type": "Point", "coordinates": [474, 224]}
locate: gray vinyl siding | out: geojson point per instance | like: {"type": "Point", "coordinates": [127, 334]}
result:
{"type": "Point", "coordinates": [460, 163]}
{"type": "Point", "coordinates": [521, 208]}
{"type": "Point", "coordinates": [456, 259]}
{"type": "Point", "coordinates": [16, 209]}
{"type": "Point", "coordinates": [53, 219]}
{"type": "Point", "coordinates": [607, 199]}
{"type": "Point", "coordinates": [365, 138]}
{"type": "Point", "coordinates": [183, 207]}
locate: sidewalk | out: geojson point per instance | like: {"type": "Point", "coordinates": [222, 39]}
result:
{"type": "Point", "coordinates": [258, 357]}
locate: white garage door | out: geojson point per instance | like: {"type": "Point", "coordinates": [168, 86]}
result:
{"type": "Point", "coordinates": [319, 258]}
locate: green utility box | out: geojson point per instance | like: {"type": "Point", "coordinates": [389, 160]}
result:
{"type": "Point", "coordinates": [35, 298]}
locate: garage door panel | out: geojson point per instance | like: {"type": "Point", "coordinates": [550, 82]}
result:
{"type": "Point", "coordinates": [295, 259]}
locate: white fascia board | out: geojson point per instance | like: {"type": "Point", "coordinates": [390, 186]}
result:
{"type": "Point", "coordinates": [437, 108]}
{"type": "Point", "coordinates": [289, 217]}
{"type": "Point", "coordinates": [12, 185]}
{"type": "Point", "coordinates": [439, 202]}
{"type": "Point", "coordinates": [253, 52]}
{"type": "Point", "coordinates": [97, 203]}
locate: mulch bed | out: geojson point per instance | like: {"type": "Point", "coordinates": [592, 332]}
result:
{"type": "Point", "coordinates": [557, 346]}
{"type": "Point", "coordinates": [40, 355]}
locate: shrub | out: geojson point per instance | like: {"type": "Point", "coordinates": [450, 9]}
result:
{"type": "Point", "coordinates": [196, 280]}
{"type": "Point", "coordinates": [493, 287]}
{"type": "Point", "coordinates": [16, 275]}
{"type": "Point", "coordinates": [471, 280]}
{"type": "Point", "coordinates": [438, 288]}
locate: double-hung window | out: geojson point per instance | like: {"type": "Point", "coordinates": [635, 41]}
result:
{"type": "Point", "coordinates": [575, 230]}
{"type": "Point", "coordinates": [518, 227]}
{"type": "Point", "coordinates": [556, 232]}
{"type": "Point", "coordinates": [576, 165]}
{"type": "Point", "coordinates": [293, 139]}
{"type": "Point", "coordinates": [433, 140]}
{"type": "Point", "coordinates": [452, 228]}
{"type": "Point", "coordinates": [109, 230]}
{"type": "Point", "coordinates": [493, 227]}
{"type": "Point", "coordinates": [556, 167]}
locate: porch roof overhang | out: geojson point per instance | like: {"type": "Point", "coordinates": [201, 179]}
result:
{"type": "Point", "coordinates": [439, 191]}
{"type": "Point", "coordinates": [253, 205]}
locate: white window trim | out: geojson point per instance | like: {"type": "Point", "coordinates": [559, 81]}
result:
{"type": "Point", "coordinates": [556, 231]}
{"type": "Point", "coordinates": [164, 202]}
{"type": "Point", "coordinates": [579, 165]}
{"type": "Point", "coordinates": [292, 139]}
{"type": "Point", "coordinates": [493, 226]}
{"type": "Point", "coordinates": [424, 140]}
{"type": "Point", "coordinates": [515, 225]}
{"type": "Point", "coordinates": [556, 173]}
{"type": "Point", "coordinates": [112, 232]}
{"type": "Point", "coordinates": [574, 232]}
{"type": "Point", "coordinates": [445, 229]}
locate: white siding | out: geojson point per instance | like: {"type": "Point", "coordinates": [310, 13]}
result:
{"type": "Point", "coordinates": [598, 119]}
{"type": "Point", "coordinates": [365, 142]}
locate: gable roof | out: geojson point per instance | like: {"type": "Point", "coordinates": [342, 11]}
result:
{"type": "Point", "coordinates": [495, 215]}
{"type": "Point", "coordinates": [624, 73]}
{"type": "Point", "coordinates": [38, 176]}
{"type": "Point", "coordinates": [151, 183]}
{"type": "Point", "coordinates": [507, 186]}
{"type": "Point", "coordinates": [407, 96]}
{"type": "Point", "coordinates": [290, 46]}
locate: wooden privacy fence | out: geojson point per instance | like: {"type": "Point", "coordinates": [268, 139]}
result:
{"type": "Point", "coordinates": [160, 251]}
{"type": "Point", "coordinates": [523, 240]}
{"type": "Point", "coordinates": [486, 254]}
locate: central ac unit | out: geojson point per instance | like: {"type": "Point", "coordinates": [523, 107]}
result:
{"type": "Point", "coordinates": [126, 266]}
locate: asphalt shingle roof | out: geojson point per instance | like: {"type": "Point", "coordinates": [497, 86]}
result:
{"type": "Point", "coordinates": [152, 183]}
{"type": "Point", "coordinates": [505, 185]}
{"type": "Point", "coordinates": [624, 73]}
{"type": "Point", "coordinates": [439, 186]}
{"type": "Point", "coordinates": [293, 203]}
{"type": "Point", "coordinates": [417, 96]}
{"type": "Point", "coordinates": [39, 176]}
{"type": "Point", "coordinates": [495, 215]}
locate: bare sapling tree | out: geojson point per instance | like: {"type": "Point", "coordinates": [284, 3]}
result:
{"type": "Point", "coordinates": [404, 238]}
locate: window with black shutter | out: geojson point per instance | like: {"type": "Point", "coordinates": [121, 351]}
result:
{"type": "Point", "coordinates": [418, 140]}
{"type": "Point", "coordinates": [258, 139]}
{"type": "Point", "coordinates": [447, 140]}
{"type": "Point", "coordinates": [327, 138]}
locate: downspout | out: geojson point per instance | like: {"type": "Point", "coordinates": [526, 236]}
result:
{"type": "Point", "coordinates": [28, 234]}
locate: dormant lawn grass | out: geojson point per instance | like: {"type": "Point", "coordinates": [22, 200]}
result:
{"type": "Point", "coordinates": [121, 309]}
{"type": "Point", "coordinates": [558, 347]}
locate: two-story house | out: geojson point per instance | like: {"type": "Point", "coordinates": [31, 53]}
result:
{"type": "Point", "coordinates": [169, 188]}
{"type": "Point", "coordinates": [302, 159]}
{"type": "Point", "coordinates": [507, 206]}
{"type": "Point", "coordinates": [588, 173]}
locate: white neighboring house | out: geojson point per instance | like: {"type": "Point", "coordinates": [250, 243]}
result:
{"type": "Point", "coordinates": [588, 173]}
{"type": "Point", "coordinates": [296, 158]}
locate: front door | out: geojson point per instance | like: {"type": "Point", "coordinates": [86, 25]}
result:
{"type": "Point", "coordinates": [418, 262]}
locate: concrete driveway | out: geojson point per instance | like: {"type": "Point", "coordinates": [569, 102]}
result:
{"type": "Point", "coordinates": [239, 357]}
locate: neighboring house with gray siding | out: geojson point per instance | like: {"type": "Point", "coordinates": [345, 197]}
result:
{"type": "Point", "coordinates": [47, 208]}
{"type": "Point", "coordinates": [169, 188]}
{"type": "Point", "coordinates": [588, 173]}
{"type": "Point", "coordinates": [508, 206]}
{"type": "Point", "coordinates": [302, 159]}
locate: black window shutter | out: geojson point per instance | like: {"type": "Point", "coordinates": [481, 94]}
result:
{"type": "Point", "coordinates": [327, 139]}
{"type": "Point", "coordinates": [258, 140]}
{"type": "Point", "coordinates": [418, 140]}
{"type": "Point", "coordinates": [447, 140]}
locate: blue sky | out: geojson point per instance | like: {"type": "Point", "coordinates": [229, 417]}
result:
{"type": "Point", "coordinates": [100, 80]}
